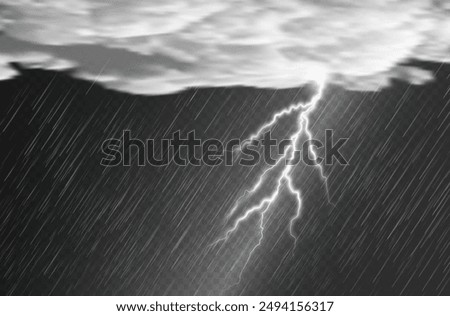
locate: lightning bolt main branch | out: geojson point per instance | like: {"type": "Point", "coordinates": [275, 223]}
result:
{"type": "Point", "coordinates": [303, 111]}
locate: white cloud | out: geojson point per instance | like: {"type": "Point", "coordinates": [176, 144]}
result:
{"type": "Point", "coordinates": [161, 46]}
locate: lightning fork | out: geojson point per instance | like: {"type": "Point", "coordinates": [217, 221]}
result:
{"type": "Point", "coordinates": [264, 205]}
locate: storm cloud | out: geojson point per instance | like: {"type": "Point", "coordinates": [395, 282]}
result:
{"type": "Point", "coordinates": [160, 46]}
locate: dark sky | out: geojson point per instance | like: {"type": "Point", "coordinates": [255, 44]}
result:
{"type": "Point", "coordinates": [71, 226]}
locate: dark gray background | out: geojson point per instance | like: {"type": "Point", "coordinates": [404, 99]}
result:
{"type": "Point", "coordinates": [71, 226]}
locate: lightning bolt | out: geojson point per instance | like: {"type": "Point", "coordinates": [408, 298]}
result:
{"type": "Point", "coordinates": [264, 204]}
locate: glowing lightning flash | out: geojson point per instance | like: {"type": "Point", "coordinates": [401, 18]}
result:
{"type": "Point", "coordinates": [264, 205]}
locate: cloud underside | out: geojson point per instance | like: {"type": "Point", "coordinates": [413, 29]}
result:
{"type": "Point", "coordinates": [160, 46]}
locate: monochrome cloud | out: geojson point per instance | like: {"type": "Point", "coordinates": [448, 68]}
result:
{"type": "Point", "coordinates": [160, 46]}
